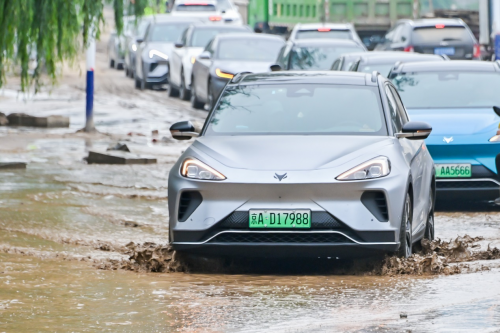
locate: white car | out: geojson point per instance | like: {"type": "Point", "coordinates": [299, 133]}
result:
{"type": "Point", "coordinates": [324, 30]}
{"type": "Point", "coordinates": [192, 43]}
{"type": "Point", "coordinates": [223, 11]}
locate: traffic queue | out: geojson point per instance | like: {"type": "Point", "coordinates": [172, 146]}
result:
{"type": "Point", "coordinates": [423, 81]}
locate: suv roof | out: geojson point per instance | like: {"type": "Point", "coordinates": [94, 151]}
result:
{"type": "Point", "coordinates": [249, 36]}
{"type": "Point", "coordinates": [205, 25]}
{"type": "Point", "coordinates": [332, 77]}
{"type": "Point", "coordinates": [326, 41]}
{"type": "Point", "coordinates": [314, 26]}
{"type": "Point", "coordinates": [434, 21]}
{"type": "Point", "coordinates": [455, 65]}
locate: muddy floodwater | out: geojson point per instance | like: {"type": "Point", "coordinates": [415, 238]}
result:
{"type": "Point", "coordinates": [66, 229]}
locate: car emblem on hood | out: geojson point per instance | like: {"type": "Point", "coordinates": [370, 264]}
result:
{"type": "Point", "coordinates": [280, 177]}
{"type": "Point", "coordinates": [448, 140]}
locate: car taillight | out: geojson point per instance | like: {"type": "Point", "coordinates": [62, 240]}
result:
{"type": "Point", "coordinates": [215, 18]}
{"type": "Point", "coordinates": [439, 26]}
{"type": "Point", "coordinates": [477, 51]}
{"type": "Point", "coordinates": [409, 49]}
{"type": "Point", "coordinates": [324, 29]}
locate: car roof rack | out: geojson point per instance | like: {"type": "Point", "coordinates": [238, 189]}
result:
{"type": "Point", "coordinates": [374, 76]}
{"type": "Point", "coordinates": [237, 78]}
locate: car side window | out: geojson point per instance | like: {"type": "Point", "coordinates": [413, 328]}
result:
{"type": "Point", "coordinates": [401, 109]}
{"type": "Point", "coordinates": [336, 64]}
{"type": "Point", "coordinates": [390, 35]}
{"type": "Point", "coordinates": [286, 56]}
{"type": "Point", "coordinates": [396, 122]}
{"type": "Point", "coordinates": [183, 39]}
{"type": "Point", "coordinates": [398, 34]}
{"type": "Point", "coordinates": [146, 33]}
{"type": "Point", "coordinates": [210, 47]}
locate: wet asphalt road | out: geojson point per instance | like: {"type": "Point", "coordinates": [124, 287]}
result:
{"type": "Point", "coordinates": [60, 219]}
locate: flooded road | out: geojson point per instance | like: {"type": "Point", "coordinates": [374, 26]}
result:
{"type": "Point", "coordinates": [64, 226]}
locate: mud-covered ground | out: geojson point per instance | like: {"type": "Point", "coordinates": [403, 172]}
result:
{"type": "Point", "coordinates": [83, 247]}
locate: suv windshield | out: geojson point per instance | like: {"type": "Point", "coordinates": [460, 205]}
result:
{"type": "Point", "coordinates": [448, 89]}
{"type": "Point", "coordinates": [167, 32]}
{"type": "Point", "coordinates": [301, 109]}
{"type": "Point", "coordinates": [251, 49]}
{"type": "Point", "coordinates": [195, 8]}
{"type": "Point", "coordinates": [433, 35]}
{"type": "Point", "coordinates": [318, 57]}
{"type": "Point", "coordinates": [223, 5]}
{"type": "Point", "coordinates": [202, 36]}
{"type": "Point", "coordinates": [332, 34]}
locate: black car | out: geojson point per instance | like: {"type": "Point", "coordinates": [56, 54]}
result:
{"type": "Point", "coordinates": [381, 62]}
{"type": "Point", "coordinates": [227, 55]}
{"type": "Point", "coordinates": [154, 52]}
{"type": "Point", "coordinates": [450, 37]}
{"type": "Point", "coordinates": [315, 54]}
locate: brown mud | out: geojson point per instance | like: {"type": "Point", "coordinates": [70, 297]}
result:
{"type": "Point", "coordinates": [435, 258]}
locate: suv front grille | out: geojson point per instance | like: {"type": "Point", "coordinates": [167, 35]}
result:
{"type": "Point", "coordinates": [260, 237]}
{"type": "Point", "coordinates": [483, 184]}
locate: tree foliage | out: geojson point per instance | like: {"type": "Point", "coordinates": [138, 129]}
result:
{"type": "Point", "coordinates": [52, 31]}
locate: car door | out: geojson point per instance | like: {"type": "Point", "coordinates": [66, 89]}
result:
{"type": "Point", "coordinates": [176, 60]}
{"type": "Point", "coordinates": [203, 72]}
{"type": "Point", "coordinates": [420, 179]}
{"type": "Point", "coordinates": [410, 151]}
{"type": "Point", "coordinates": [139, 67]}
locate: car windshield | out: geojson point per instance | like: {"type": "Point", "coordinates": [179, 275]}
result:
{"type": "Point", "coordinates": [384, 69]}
{"type": "Point", "coordinates": [448, 89]}
{"type": "Point", "coordinates": [167, 32]}
{"type": "Point", "coordinates": [223, 5]}
{"type": "Point", "coordinates": [433, 35]}
{"type": "Point", "coordinates": [202, 36]}
{"type": "Point", "coordinates": [316, 109]}
{"type": "Point", "coordinates": [318, 57]}
{"type": "Point", "coordinates": [251, 49]}
{"type": "Point", "coordinates": [332, 34]}
{"type": "Point", "coordinates": [195, 8]}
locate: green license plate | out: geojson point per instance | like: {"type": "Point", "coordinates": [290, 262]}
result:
{"type": "Point", "coordinates": [453, 170]}
{"type": "Point", "coordinates": [298, 218]}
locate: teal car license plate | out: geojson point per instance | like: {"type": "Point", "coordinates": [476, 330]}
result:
{"type": "Point", "coordinates": [282, 218]}
{"type": "Point", "coordinates": [453, 170]}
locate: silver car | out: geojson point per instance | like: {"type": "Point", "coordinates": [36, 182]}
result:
{"type": "Point", "coordinates": [303, 164]}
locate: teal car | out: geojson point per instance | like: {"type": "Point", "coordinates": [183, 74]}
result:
{"type": "Point", "coordinates": [461, 101]}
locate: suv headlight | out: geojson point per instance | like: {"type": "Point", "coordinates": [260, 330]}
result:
{"type": "Point", "coordinates": [195, 169]}
{"type": "Point", "coordinates": [157, 55]}
{"type": "Point", "coordinates": [374, 168]}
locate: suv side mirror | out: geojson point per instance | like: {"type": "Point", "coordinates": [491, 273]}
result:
{"type": "Point", "coordinates": [275, 68]}
{"type": "Point", "coordinates": [179, 45]}
{"type": "Point", "coordinates": [139, 40]}
{"type": "Point", "coordinates": [205, 55]}
{"type": "Point", "coordinates": [183, 130]}
{"type": "Point", "coordinates": [415, 130]}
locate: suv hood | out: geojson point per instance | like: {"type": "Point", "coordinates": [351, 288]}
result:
{"type": "Point", "coordinates": [464, 124]}
{"type": "Point", "coordinates": [288, 152]}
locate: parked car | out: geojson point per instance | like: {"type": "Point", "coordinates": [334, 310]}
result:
{"type": "Point", "coordinates": [116, 48]}
{"type": "Point", "coordinates": [280, 170]}
{"type": "Point", "coordinates": [324, 30]}
{"type": "Point", "coordinates": [154, 52]}
{"type": "Point", "coordinates": [133, 36]}
{"type": "Point", "coordinates": [382, 62]}
{"type": "Point", "coordinates": [227, 55]}
{"type": "Point", "coordinates": [315, 54]}
{"type": "Point", "coordinates": [460, 100]}
{"type": "Point", "coordinates": [450, 37]}
{"type": "Point", "coordinates": [190, 45]}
